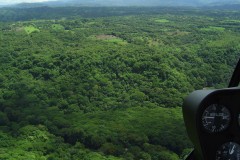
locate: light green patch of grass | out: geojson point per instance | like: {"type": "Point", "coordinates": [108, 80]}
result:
{"type": "Point", "coordinates": [225, 41]}
{"type": "Point", "coordinates": [92, 37]}
{"type": "Point", "coordinates": [161, 20]}
{"type": "Point", "coordinates": [57, 27]}
{"type": "Point", "coordinates": [152, 42]}
{"type": "Point", "coordinates": [109, 38]}
{"type": "Point", "coordinates": [231, 21]}
{"type": "Point", "coordinates": [116, 41]}
{"type": "Point", "coordinates": [31, 29]}
{"type": "Point", "coordinates": [214, 29]}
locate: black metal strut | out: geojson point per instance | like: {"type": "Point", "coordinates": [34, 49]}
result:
{"type": "Point", "coordinates": [235, 77]}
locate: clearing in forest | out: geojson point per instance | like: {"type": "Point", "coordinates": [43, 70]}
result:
{"type": "Point", "coordinates": [31, 29]}
{"type": "Point", "coordinates": [213, 29]}
{"type": "Point", "coordinates": [161, 20]}
{"type": "Point", "coordinates": [231, 21]}
{"type": "Point", "coordinates": [111, 39]}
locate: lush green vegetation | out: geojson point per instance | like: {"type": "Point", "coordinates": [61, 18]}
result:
{"type": "Point", "coordinates": [31, 29]}
{"type": "Point", "coordinates": [213, 29]}
{"type": "Point", "coordinates": [57, 27]}
{"type": "Point", "coordinates": [109, 86]}
{"type": "Point", "coordinates": [162, 20]}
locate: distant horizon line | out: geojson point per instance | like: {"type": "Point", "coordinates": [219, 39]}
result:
{"type": "Point", "coordinates": [84, 4]}
{"type": "Point", "coordinates": [14, 3]}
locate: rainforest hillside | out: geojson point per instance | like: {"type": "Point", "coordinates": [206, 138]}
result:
{"type": "Point", "coordinates": [107, 83]}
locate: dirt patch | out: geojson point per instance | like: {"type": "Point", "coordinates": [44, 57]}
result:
{"type": "Point", "coordinates": [19, 29]}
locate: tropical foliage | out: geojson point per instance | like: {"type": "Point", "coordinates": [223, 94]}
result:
{"type": "Point", "coordinates": [107, 84]}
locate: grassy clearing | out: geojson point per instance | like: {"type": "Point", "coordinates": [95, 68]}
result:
{"type": "Point", "coordinates": [161, 20]}
{"type": "Point", "coordinates": [111, 39]}
{"type": "Point", "coordinates": [31, 29]}
{"type": "Point", "coordinates": [224, 41]}
{"type": "Point", "coordinates": [214, 29]}
{"type": "Point", "coordinates": [231, 21]}
{"type": "Point", "coordinates": [116, 41]}
{"type": "Point", "coordinates": [152, 42]}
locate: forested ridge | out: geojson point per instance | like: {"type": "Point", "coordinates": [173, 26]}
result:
{"type": "Point", "coordinates": [109, 85]}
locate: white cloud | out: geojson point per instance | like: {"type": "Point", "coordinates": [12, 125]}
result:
{"type": "Point", "coordinates": [4, 2]}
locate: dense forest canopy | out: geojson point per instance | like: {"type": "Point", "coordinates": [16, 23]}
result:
{"type": "Point", "coordinates": [107, 83]}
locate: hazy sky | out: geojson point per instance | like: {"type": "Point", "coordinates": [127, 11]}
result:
{"type": "Point", "coordinates": [2, 2]}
